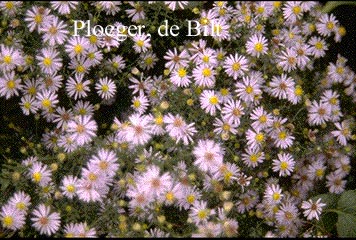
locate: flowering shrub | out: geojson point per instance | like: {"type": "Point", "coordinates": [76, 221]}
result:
{"type": "Point", "coordinates": [236, 120]}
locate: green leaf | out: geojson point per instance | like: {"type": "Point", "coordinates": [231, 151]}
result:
{"type": "Point", "coordinates": [331, 5]}
{"type": "Point", "coordinates": [330, 199]}
{"type": "Point", "coordinates": [347, 202]}
{"type": "Point", "coordinates": [346, 225]}
{"type": "Point", "coordinates": [328, 221]}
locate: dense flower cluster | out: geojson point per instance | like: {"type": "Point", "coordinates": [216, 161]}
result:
{"type": "Point", "coordinates": [223, 132]}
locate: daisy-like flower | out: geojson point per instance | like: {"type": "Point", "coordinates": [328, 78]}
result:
{"type": "Point", "coordinates": [318, 46]}
{"type": "Point", "coordinates": [247, 201]}
{"type": "Point", "coordinates": [140, 103]}
{"type": "Point", "coordinates": [77, 46]}
{"type": "Point", "coordinates": [273, 194]}
{"type": "Point", "coordinates": [293, 11]}
{"type": "Point", "coordinates": [256, 45]}
{"type": "Point", "coordinates": [87, 192]}
{"type": "Point", "coordinates": [208, 155]}
{"type": "Point", "coordinates": [49, 61]}
{"type": "Point", "coordinates": [335, 183]}
{"type": "Point", "coordinates": [253, 157]}
{"type": "Point", "coordinates": [284, 164]}
{"type": "Point", "coordinates": [281, 86]}
{"type": "Point", "coordinates": [54, 31]}
{"type": "Point", "coordinates": [208, 230]}
{"type": "Point", "coordinates": [219, 30]}
{"type": "Point", "coordinates": [36, 17]}
{"type": "Point", "coordinates": [9, 85]}
{"type": "Point", "coordinates": [77, 88]}
{"type": "Point", "coordinates": [67, 143]}
{"type": "Point", "coordinates": [343, 132]}
{"type": "Point", "coordinates": [106, 88]}
{"type": "Point", "coordinates": [282, 138]}
{"type": "Point", "coordinates": [255, 139]}
{"type": "Point", "coordinates": [21, 201]}
{"type": "Point", "coordinates": [261, 119]}
{"type": "Point", "coordinates": [178, 129]}
{"type": "Point", "coordinates": [83, 108]}
{"type": "Point", "coordinates": [173, 5]}
{"type": "Point", "coordinates": [327, 24]}
{"type": "Point", "coordinates": [142, 42]}
{"type": "Point", "coordinates": [153, 182]}
{"type": "Point", "coordinates": [11, 217]}
{"type": "Point", "coordinates": [312, 209]}
{"type": "Point", "coordinates": [209, 102]}
{"type": "Point", "coordinates": [62, 117]}
{"type": "Point", "coordinates": [69, 186]}
{"type": "Point", "coordinates": [45, 221]}
{"type": "Point", "coordinates": [175, 60]}
{"type": "Point", "coordinates": [51, 82]}
{"type": "Point", "coordinates": [105, 161]}
{"type": "Point", "coordinates": [204, 75]}
{"type": "Point", "coordinates": [46, 100]}
{"type": "Point", "coordinates": [40, 174]}
{"type": "Point", "coordinates": [64, 7]}
{"type": "Point", "coordinates": [232, 111]}
{"type": "Point", "coordinates": [207, 56]}
{"type": "Point", "coordinates": [10, 58]}
{"type": "Point", "coordinates": [109, 7]}
{"type": "Point", "coordinates": [235, 65]}
{"type": "Point", "coordinates": [200, 213]}
{"type": "Point", "coordinates": [249, 90]}
{"type": "Point", "coordinates": [137, 13]}
{"type": "Point", "coordinates": [180, 77]}
{"type": "Point", "coordinates": [148, 60]}
{"type": "Point", "coordinates": [224, 126]}
{"type": "Point", "coordinates": [318, 113]}
{"type": "Point", "coordinates": [287, 214]}
{"type": "Point", "coordinates": [288, 60]}
{"type": "Point", "coordinates": [82, 129]}
{"type": "Point", "coordinates": [139, 130]}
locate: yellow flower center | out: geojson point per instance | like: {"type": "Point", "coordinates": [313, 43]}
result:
{"type": "Point", "coordinates": [21, 205]}
{"type": "Point", "coordinates": [7, 59]}
{"type": "Point", "coordinates": [46, 103]}
{"type": "Point", "coordinates": [79, 87]}
{"type": "Point", "coordinates": [263, 119]}
{"type": "Point", "coordinates": [78, 49]}
{"type": "Point", "coordinates": [284, 165]}
{"type": "Point", "coordinates": [182, 72]}
{"type": "Point", "coordinates": [224, 91]}
{"type": "Point", "coordinates": [53, 30]}
{"type": "Point", "coordinates": [27, 105]}
{"type": "Point", "coordinates": [214, 100]}
{"type": "Point", "coordinates": [140, 43]}
{"type": "Point", "coordinates": [206, 72]}
{"type": "Point", "coordinates": [80, 69]}
{"type": "Point", "coordinates": [93, 39]}
{"type": "Point", "coordinates": [47, 61]}
{"type": "Point", "coordinates": [249, 89]}
{"type": "Point", "coordinates": [70, 188]}
{"type": "Point", "coordinates": [37, 176]}
{"type": "Point", "coordinates": [297, 10]}
{"type": "Point", "coordinates": [149, 61]}
{"type": "Point", "coordinates": [253, 158]}
{"type": "Point", "coordinates": [8, 221]}
{"type": "Point", "coordinates": [319, 172]}
{"type": "Point", "coordinates": [236, 66]}
{"type": "Point", "coordinates": [38, 18]}
{"type": "Point", "coordinates": [191, 199]}
{"type": "Point", "coordinates": [298, 90]}
{"type": "Point", "coordinates": [282, 135]}
{"type": "Point", "coordinates": [202, 214]}
{"type": "Point", "coordinates": [92, 176]}
{"type": "Point", "coordinates": [330, 25]}
{"type": "Point", "coordinates": [260, 10]}
{"type": "Point", "coordinates": [340, 70]}
{"type": "Point", "coordinates": [276, 196]}
{"type": "Point", "coordinates": [159, 120]}
{"type": "Point", "coordinates": [258, 47]}
{"type": "Point", "coordinates": [319, 45]}
{"type": "Point", "coordinates": [204, 21]}
{"type": "Point", "coordinates": [11, 84]}
{"type": "Point", "coordinates": [259, 137]}
{"type": "Point", "coordinates": [226, 127]}
{"type": "Point", "coordinates": [137, 104]}
{"type": "Point", "coordinates": [80, 128]}
{"type": "Point", "coordinates": [170, 196]}
{"type": "Point", "coordinates": [105, 88]}
{"type": "Point", "coordinates": [9, 5]}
